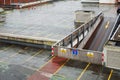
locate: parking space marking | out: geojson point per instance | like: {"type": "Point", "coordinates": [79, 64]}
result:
{"type": "Point", "coordinates": [4, 62]}
{"type": "Point", "coordinates": [49, 68]}
{"type": "Point", "coordinates": [13, 55]}
{"type": "Point", "coordinates": [34, 55]}
{"type": "Point", "coordinates": [48, 62]}
{"type": "Point", "coordinates": [110, 74]}
{"type": "Point", "coordinates": [45, 64]}
{"type": "Point", "coordinates": [83, 71]}
{"type": "Point", "coordinates": [7, 48]}
{"type": "Point", "coordinates": [61, 66]}
{"type": "Point", "coordinates": [18, 52]}
{"type": "Point", "coordinates": [34, 69]}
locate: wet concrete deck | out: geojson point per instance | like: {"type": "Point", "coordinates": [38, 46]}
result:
{"type": "Point", "coordinates": [52, 21]}
{"type": "Point", "coordinates": [21, 62]}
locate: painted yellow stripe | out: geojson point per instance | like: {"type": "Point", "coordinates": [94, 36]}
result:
{"type": "Point", "coordinates": [8, 47]}
{"type": "Point", "coordinates": [107, 25]}
{"type": "Point", "coordinates": [61, 66]}
{"type": "Point", "coordinates": [13, 55]}
{"type": "Point", "coordinates": [4, 62]}
{"type": "Point", "coordinates": [33, 56]}
{"type": "Point", "coordinates": [110, 75]}
{"type": "Point", "coordinates": [45, 64]}
{"type": "Point", "coordinates": [83, 71]}
{"type": "Point", "coordinates": [30, 68]}
{"type": "Point", "coordinates": [19, 51]}
{"type": "Point", "coordinates": [5, 50]}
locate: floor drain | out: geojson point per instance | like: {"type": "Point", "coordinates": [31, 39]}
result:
{"type": "Point", "coordinates": [58, 77]}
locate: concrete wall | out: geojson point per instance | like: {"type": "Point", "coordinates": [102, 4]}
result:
{"type": "Point", "coordinates": [79, 54]}
{"type": "Point", "coordinates": [112, 56]}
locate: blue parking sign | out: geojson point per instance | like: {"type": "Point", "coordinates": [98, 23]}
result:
{"type": "Point", "coordinates": [75, 52]}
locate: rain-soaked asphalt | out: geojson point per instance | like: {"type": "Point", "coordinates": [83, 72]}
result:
{"type": "Point", "coordinates": [17, 62]}
{"type": "Point", "coordinates": [54, 21]}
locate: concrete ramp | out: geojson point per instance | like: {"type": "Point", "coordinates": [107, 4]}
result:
{"type": "Point", "coordinates": [72, 45]}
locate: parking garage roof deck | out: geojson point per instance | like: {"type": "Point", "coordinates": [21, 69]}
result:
{"type": "Point", "coordinates": [17, 55]}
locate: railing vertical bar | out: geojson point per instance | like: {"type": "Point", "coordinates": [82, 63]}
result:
{"type": "Point", "coordinates": [71, 40]}
{"type": "Point", "coordinates": [63, 43]}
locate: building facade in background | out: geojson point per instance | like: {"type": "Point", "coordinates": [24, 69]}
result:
{"type": "Point", "coordinates": [9, 2]}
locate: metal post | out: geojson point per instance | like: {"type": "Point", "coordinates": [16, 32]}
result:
{"type": "Point", "coordinates": [71, 41]}
{"type": "Point", "coordinates": [78, 37]}
{"type": "Point", "coordinates": [88, 27]}
{"type": "Point", "coordinates": [63, 43]}
{"type": "Point", "coordinates": [83, 33]}
{"type": "Point", "coordinates": [93, 21]}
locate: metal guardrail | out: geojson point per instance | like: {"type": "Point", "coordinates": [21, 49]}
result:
{"type": "Point", "coordinates": [67, 47]}
{"type": "Point", "coordinates": [78, 34]}
{"type": "Point", "coordinates": [117, 22]}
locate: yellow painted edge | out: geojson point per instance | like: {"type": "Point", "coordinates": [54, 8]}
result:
{"type": "Point", "coordinates": [83, 71]}
{"type": "Point", "coordinates": [7, 48]}
{"type": "Point", "coordinates": [61, 66]}
{"type": "Point", "coordinates": [33, 56]}
{"type": "Point", "coordinates": [13, 55]}
{"type": "Point", "coordinates": [4, 62]}
{"type": "Point", "coordinates": [107, 25]}
{"type": "Point", "coordinates": [110, 74]}
{"type": "Point", "coordinates": [4, 50]}
{"type": "Point", "coordinates": [45, 64]}
{"type": "Point", "coordinates": [19, 51]}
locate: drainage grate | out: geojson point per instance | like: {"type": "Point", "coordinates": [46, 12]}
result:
{"type": "Point", "coordinates": [58, 77]}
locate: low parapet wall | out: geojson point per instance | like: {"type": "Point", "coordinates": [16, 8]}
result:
{"type": "Point", "coordinates": [112, 56]}
{"type": "Point", "coordinates": [5, 37]}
